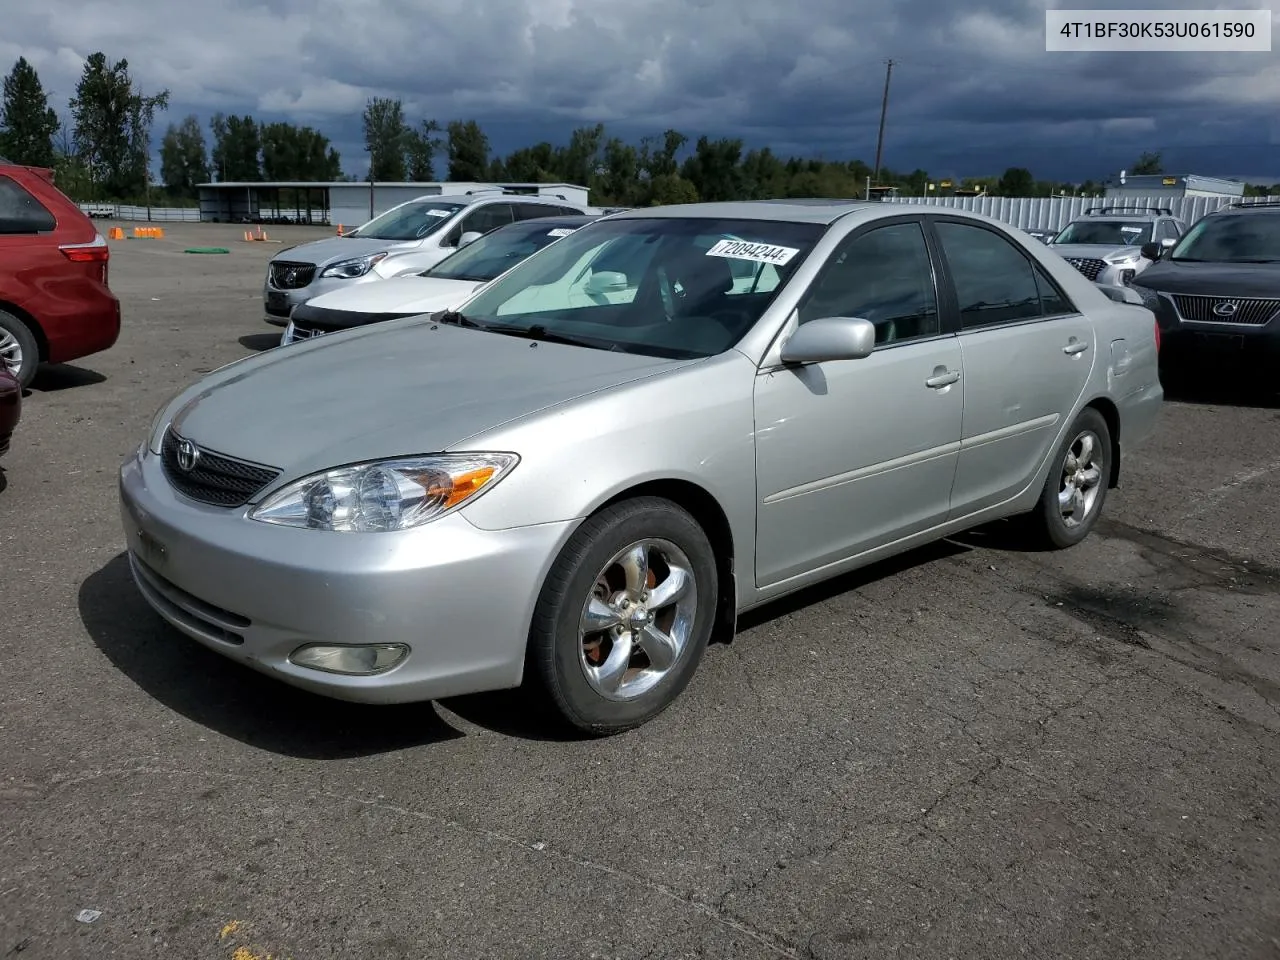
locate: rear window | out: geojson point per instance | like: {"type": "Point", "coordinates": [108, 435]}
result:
{"type": "Point", "coordinates": [20, 212]}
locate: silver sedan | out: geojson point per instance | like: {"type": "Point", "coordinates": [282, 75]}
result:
{"type": "Point", "coordinates": [586, 473]}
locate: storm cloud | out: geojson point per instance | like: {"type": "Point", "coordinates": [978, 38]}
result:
{"type": "Point", "coordinates": [973, 89]}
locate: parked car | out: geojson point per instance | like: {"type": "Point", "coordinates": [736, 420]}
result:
{"type": "Point", "coordinates": [55, 305]}
{"type": "Point", "coordinates": [10, 408]}
{"type": "Point", "coordinates": [445, 285]}
{"type": "Point", "coordinates": [1044, 236]}
{"type": "Point", "coordinates": [1218, 291]}
{"type": "Point", "coordinates": [406, 239]}
{"type": "Point", "coordinates": [1106, 243]}
{"type": "Point", "coordinates": [578, 489]}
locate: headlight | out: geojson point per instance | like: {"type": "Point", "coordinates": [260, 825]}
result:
{"type": "Point", "coordinates": [386, 494]}
{"type": "Point", "coordinates": [350, 269]}
{"type": "Point", "coordinates": [1150, 299]}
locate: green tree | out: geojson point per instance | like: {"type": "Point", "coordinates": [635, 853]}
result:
{"type": "Point", "coordinates": [292, 152]}
{"type": "Point", "coordinates": [423, 146]}
{"type": "Point", "coordinates": [237, 149]}
{"type": "Point", "coordinates": [386, 138]}
{"type": "Point", "coordinates": [468, 149]}
{"type": "Point", "coordinates": [184, 160]}
{"type": "Point", "coordinates": [1016, 182]}
{"type": "Point", "coordinates": [668, 188]}
{"type": "Point", "coordinates": [715, 169]}
{"type": "Point", "coordinates": [27, 122]}
{"type": "Point", "coordinates": [1148, 164]}
{"type": "Point", "coordinates": [113, 126]}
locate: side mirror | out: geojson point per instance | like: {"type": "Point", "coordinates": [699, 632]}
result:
{"type": "Point", "coordinates": [1152, 251]}
{"type": "Point", "coordinates": [1168, 242]}
{"type": "Point", "coordinates": [471, 236]}
{"type": "Point", "coordinates": [606, 281]}
{"type": "Point", "coordinates": [830, 338]}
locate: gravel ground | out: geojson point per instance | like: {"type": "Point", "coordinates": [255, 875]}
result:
{"type": "Point", "coordinates": [970, 752]}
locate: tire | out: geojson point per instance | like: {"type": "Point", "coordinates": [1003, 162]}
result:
{"type": "Point", "coordinates": [17, 340]}
{"type": "Point", "coordinates": [1050, 526]}
{"type": "Point", "coordinates": [573, 670]}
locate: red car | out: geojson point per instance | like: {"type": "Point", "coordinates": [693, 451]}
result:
{"type": "Point", "coordinates": [55, 305]}
{"type": "Point", "coordinates": [10, 408]}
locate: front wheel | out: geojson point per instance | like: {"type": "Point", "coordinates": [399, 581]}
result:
{"type": "Point", "coordinates": [19, 352]}
{"type": "Point", "coordinates": [624, 616]}
{"type": "Point", "coordinates": [1076, 487]}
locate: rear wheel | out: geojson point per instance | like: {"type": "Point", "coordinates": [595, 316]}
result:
{"type": "Point", "coordinates": [624, 616]}
{"type": "Point", "coordinates": [1076, 487]}
{"type": "Point", "coordinates": [19, 352]}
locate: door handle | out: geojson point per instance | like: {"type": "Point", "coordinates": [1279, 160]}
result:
{"type": "Point", "coordinates": [944, 379]}
{"type": "Point", "coordinates": [1075, 346]}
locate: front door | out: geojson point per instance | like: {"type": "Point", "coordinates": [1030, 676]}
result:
{"type": "Point", "coordinates": [853, 454]}
{"type": "Point", "coordinates": [1028, 354]}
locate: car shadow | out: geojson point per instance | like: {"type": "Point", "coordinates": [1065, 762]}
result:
{"type": "Point", "coordinates": [52, 377]}
{"type": "Point", "coordinates": [260, 341]}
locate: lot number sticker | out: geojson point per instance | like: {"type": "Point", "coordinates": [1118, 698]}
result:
{"type": "Point", "coordinates": [438, 213]}
{"type": "Point", "coordinates": [756, 252]}
{"type": "Point", "coordinates": [559, 232]}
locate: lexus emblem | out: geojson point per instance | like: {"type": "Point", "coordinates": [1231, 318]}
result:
{"type": "Point", "coordinates": [188, 455]}
{"type": "Point", "coordinates": [1226, 308]}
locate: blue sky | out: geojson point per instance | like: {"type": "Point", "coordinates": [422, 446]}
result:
{"type": "Point", "coordinates": [973, 89]}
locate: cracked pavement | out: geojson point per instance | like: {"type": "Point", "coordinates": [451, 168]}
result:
{"type": "Point", "coordinates": [968, 752]}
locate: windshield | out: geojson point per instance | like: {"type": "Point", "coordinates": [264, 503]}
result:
{"type": "Point", "coordinates": [409, 221]}
{"type": "Point", "coordinates": [498, 251]}
{"type": "Point", "coordinates": [668, 287]}
{"type": "Point", "coordinates": [1113, 233]}
{"type": "Point", "coordinates": [1238, 238]}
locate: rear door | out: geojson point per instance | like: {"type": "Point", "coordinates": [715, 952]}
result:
{"type": "Point", "coordinates": [27, 228]}
{"type": "Point", "coordinates": [1027, 355]}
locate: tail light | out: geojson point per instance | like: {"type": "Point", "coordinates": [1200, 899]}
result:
{"type": "Point", "coordinates": [1157, 326]}
{"type": "Point", "coordinates": [95, 251]}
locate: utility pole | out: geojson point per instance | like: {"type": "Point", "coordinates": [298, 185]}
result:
{"type": "Point", "coordinates": [884, 108]}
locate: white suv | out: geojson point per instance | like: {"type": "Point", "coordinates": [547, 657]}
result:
{"type": "Point", "coordinates": [406, 239]}
{"type": "Point", "coordinates": [1106, 243]}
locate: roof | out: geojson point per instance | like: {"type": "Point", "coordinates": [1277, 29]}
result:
{"type": "Point", "coordinates": [460, 186]}
{"type": "Point", "coordinates": [800, 210]}
{"type": "Point", "coordinates": [1192, 180]}
{"type": "Point", "coordinates": [1253, 205]}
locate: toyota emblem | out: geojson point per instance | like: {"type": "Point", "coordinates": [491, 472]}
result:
{"type": "Point", "coordinates": [1226, 308]}
{"type": "Point", "coordinates": [188, 455]}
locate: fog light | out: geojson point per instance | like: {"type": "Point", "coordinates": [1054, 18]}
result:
{"type": "Point", "coordinates": [356, 661]}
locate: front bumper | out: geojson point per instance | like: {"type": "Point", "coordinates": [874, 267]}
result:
{"type": "Point", "coordinates": [460, 597]}
{"type": "Point", "coordinates": [1184, 339]}
{"type": "Point", "coordinates": [277, 304]}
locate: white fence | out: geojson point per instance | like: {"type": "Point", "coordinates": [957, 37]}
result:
{"type": "Point", "coordinates": [1054, 213]}
{"type": "Point", "coordinates": [121, 211]}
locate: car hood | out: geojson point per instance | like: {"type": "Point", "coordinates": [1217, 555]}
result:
{"type": "Point", "coordinates": [402, 295]}
{"type": "Point", "coordinates": [1095, 251]}
{"type": "Point", "coordinates": [410, 387]}
{"type": "Point", "coordinates": [333, 249]}
{"type": "Point", "coordinates": [1213, 279]}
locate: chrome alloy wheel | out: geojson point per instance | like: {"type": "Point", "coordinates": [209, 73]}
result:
{"type": "Point", "coordinates": [1081, 479]}
{"type": "Point", "coordinates": [637, 622]}
{"type": "Point", "coordinates": [10, 352]}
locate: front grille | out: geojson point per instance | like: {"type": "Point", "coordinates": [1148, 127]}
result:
{"type": "Point", "coordinates": [1089, 267]}
{"type": "Point", "coordinates": [288, 275]}
{"type": "Point", "coordinates": [297, 333]}
{"type": "Point", "coordinates": [1250, 311]}
{"type": "Point", "coordinates": [215, 479]}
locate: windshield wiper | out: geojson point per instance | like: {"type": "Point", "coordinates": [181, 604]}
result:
{"type": "Point", "coordinates": [538, 332]}
{"type": "Point", "coordinates": [1187, 260]}
{"type": "Point", "coordinates": [1264, 260]}
{"type": "Point", "coordinates": [458, 320]}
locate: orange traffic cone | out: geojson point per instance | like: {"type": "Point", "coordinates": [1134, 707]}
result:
{"type": "Point", "coordinates": [339, 229]}
{"type": "Point", "coordinates": [115, 233]}
{"type": "Point", "coordinates": [247, 237]}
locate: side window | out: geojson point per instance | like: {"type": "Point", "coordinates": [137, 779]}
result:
{"type": "Point", "coordinates": [20, 212]}
{"type": "Point", "coordinates": [1168, 231]}
{"type": "Point", "coordinates": [993, 279]}
{"type": "Point", "coordinates": [487, 217]}
{"type": "Point", "coordinates": [883, 275]}
{"type": "Point", "coordinates": [1053, 303]}
{"type": "Point", "coordinates": [569, 211]}
{"type": "Point", "coordinates": [531, 211]}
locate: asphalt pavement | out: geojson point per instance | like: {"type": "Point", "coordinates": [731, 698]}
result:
{"type": "Point", "coordinates": [970, 752]}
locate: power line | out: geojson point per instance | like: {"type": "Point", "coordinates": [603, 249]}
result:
{"type": "Point", "coordinates": [884, 108]}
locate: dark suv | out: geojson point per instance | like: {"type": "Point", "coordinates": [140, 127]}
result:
{"type": "Point", "coordinates": [55, 305]}
{"type": "Point", "coordinates": [1218, 290]}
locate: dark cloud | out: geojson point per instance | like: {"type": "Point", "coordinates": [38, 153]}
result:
{"type": "Point", "coordinates": [973, 89]}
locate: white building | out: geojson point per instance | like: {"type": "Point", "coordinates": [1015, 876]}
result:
{"type": "Point", "coordinates": [346, 203]}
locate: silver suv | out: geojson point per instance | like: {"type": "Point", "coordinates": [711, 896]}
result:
{"type": "Point", "coordinates": [1106, 243]}
{"type": "Point", "coordinates": [408, 238]}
